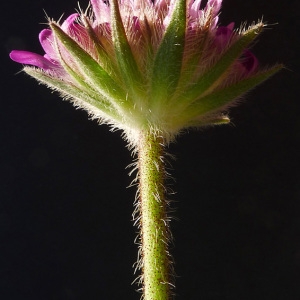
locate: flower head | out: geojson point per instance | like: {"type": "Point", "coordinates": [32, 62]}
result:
{"type": "Point", "coordinates": [162, 65]}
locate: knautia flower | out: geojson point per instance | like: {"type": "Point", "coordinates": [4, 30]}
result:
{"type": "Point", "coordinates": [148, 65]}
{"type": "Point", "coordinates": [151, 68]}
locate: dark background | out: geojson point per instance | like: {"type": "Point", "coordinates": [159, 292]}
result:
{"type": "Point", "coordinates": [65, 212]}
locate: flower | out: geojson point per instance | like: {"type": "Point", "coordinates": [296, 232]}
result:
{"type": "Point", "coordinates": [160, 66]}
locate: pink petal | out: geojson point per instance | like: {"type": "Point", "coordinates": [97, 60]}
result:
{"type": "Point", "coordinates": [101, 11]}
{"type": "Point", "coordinates": [161, 4]}
{"type": "Point", "coordinates": [69, 24]}
{"type": "Point", "coordinates": [47, 41]}
{"type": "Point", "coordinates": [215, 5]}
{"type": "Point", "coordinates": [167, 19]}
{"type": "Point", "coordinates": [29, 58]}
{"type": "Point", "coordinates": [195, 9]}
{"type": "Point", "coordinates": [46, 37]}
{"type": "Point", "coordinates": [139, 5]}
{"type": "Point", "coordinates": [136, 24]}
{"type": "Point", "coordinates": [201, 14]}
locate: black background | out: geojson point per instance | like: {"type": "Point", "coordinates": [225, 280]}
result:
{"type": "Point", "coordinates": [65, 212]}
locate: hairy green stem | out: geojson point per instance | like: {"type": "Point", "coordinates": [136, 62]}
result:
{"type": "Point", "coordinates": [155, 258]}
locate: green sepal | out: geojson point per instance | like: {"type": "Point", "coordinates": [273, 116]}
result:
{"type": "Point", "coordinates": [222, 98]}
{"type": "Point", "coordinates": [192, 60]}
{"type": "Point", "coordinates": [103, 57]}
{"type": "Point", "coordinates": [131, 74]}
{"type": "Point", "coordinates": [90, 70]}
{"type": "Point", "coordinates": [212, 120]}
{"type": "Point", "coordinates": [75, 94]}
{"type": "Point", "coordinates": [87, 88]}
{"type": "Point", "coordinates": [168, 60]}
{"type": "Point", "coordinates": [211, 78]}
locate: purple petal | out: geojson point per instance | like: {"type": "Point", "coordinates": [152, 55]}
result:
{"type": "Point", "coordinates": [167, 18]}
{"type": "Point", "coordinates": [140, 5]}
{"type": "Point", "coordinates": [249, 62]}
{"type": "Point", "coordinates": [195, 8]}
{"type": "Point", "coordinates": [29, 58]}
{"type": "Point", "coordinates": [69, 24]}
{"type": "Point", "coordinates": [223, 35]}
{"type": "Point", "coordinates": [101, 11]}
{"type": "Point", "coordinates": [75, 30]}
{"type": "Point", "coordinates": [215, 5]}
{"type": "Point", "coordinates": [47, 41]}
{"type": "Point", "coordinates": [136, 24]}
{"type": "Point", "coordinates": [160, 4]}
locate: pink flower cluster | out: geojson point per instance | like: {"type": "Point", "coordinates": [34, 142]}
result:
{"type": "Point", "coordinates": [159, 12]}
{"type": "Point", "coordinates": [148, 65]}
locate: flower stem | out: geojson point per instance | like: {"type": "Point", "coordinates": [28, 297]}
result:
{"type": "Point", "coordinates": [152, 206]}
